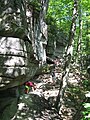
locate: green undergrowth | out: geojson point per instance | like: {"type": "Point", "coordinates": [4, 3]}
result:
{"type": "Point", "coordinates": [86, 104]}
{"type": "Point", "coordinates": [80, 97]}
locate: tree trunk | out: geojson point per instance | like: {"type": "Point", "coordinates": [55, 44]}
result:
{"type": "Point", "coordinates": [78, 51]}
{"type": "Point", "coordinates": [87, 37]}
{"type": "Point", "coordinates": [68, 56]}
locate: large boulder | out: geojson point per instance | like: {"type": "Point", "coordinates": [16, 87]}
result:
{"type": "Point", "coordinates": [23, 39]}
{"type": "Point", "coordinates": [17, 62]}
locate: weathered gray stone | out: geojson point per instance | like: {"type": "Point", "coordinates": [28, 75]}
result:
{"type": "Point", "coordinates": [23, 39]}
{"type": "Point", "coordinates": [18, 57]}
{"type": "Point", "coordinates": [8, 103]}
{"type": "Point", "coordinates": [15, 61]}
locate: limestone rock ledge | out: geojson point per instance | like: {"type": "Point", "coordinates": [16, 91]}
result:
{"type": "Point", "coordinates": [16, 63]}
{"type": "Point", "coordinates": [23, 39]}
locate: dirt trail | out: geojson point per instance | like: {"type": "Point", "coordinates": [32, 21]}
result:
{"type": "Point", "coordinates": [39, 104]}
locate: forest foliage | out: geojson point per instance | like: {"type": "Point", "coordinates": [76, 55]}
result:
{"type": "Point", "coordinates": [59, 17]}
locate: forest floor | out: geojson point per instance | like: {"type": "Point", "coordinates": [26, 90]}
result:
{"type": "Point", "coordinates": [39, 104]}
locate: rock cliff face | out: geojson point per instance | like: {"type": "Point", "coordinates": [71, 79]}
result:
{"type": "Point", "coordinates": [17, 65]}
{"type": "Point", "coordinates": [23, 38]}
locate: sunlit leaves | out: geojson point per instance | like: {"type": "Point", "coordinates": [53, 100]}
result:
{"type": "Point", "coordinates": [61, 11]}
{"type": "Point", "coordinates": [86, 112]}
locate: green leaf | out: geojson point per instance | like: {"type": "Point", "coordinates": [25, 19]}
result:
{"type": "Point", "coordinates": [86, 105]}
